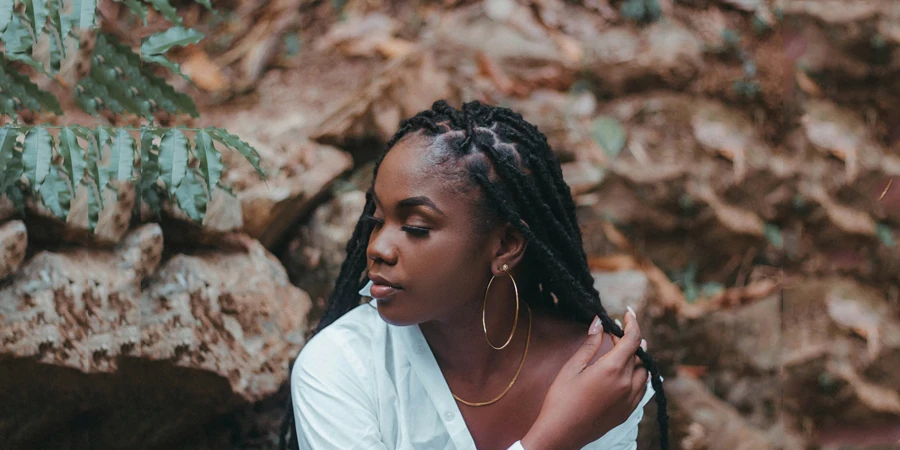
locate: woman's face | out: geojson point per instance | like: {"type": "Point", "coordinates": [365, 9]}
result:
{"type": "Point", "coordinates": [424, 241]}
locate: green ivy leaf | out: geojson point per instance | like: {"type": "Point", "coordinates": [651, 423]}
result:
{"type": "Point", "coordinates": [191, 196]}
{"type": "Point", "coordinates": [610, 135]}
{"type": "Point", "coordinates": [161, 42]}
{"type": "Point", "coordinates": [173, 155]}
{"type": "Point", "coordinates": [37, 12]}
{"type": "Point", "coordinates": [6, 12]}
{"type": "Point", "coordinates": [55, 194]}
{"type": "Point", "coordinates": [37, 155]}
{"type": "Point", "coordinates": [122, 156]}
{"type": "Point", "coordinates": [74, 158]}
{"type": "Point", "coordinates": [206, 3]}
{"type": "Point", "coordinates": [210, 159]}
{"type": "Point", "coordinates": [232, 141]}
{"type": "Point", "coordinates": [166, 10]}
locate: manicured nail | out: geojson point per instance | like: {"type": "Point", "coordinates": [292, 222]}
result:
{"type": "Point", "coordinates": [644, 344]}
{"type": "Point", "coordinates": [596, 326]}
{"type": "Point", "coordinates": [619, 323]}
{"type": "Point", "coordinates": [632, 312]}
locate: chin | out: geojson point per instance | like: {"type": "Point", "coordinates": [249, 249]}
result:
{"type": "Point", "coordinates": [394, 315]}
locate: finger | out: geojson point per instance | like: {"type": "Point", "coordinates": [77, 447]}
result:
{"type": "Point", "coordinates": [589, 348]}
{"type": "Point", "coordinates": [638, 385]}
{"type": "Point", "coordinates": [615, 338]}
{"type": "Point", "coordinates": [643, 345]}
{"type": "Point", "coordinates": [628, 344]}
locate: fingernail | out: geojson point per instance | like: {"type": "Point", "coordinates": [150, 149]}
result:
{"type": "Point", "coordinates": [644, 344]}
{"type": "Point", "coordinates": [619, 323]}
{"type": "Point", "coordinates": [632, 312]}
{"type": "Point", "coordinates": [596, 326]}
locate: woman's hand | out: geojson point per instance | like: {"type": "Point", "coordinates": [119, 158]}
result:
{"type": "Point", "coordinates": [587, 400]}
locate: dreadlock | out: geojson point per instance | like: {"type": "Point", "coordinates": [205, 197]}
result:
{"type": "Point", "coordinates": [525, 187]}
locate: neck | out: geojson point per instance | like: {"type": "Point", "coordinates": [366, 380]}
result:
{"type": "Point", "coordinates": [458, 341]}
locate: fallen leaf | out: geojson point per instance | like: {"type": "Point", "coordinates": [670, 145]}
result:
{"type": "Point", "coordinates": [204, 72]}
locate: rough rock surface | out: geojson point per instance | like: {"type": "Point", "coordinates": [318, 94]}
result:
{"type": "Point", "coordinates": [116, 339]}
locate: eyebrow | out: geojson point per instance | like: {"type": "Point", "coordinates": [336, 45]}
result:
{"type": "Point", "coordinates": [419, 200]}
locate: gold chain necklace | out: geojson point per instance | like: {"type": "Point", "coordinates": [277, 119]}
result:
{"type": "Point", "coordinates": [521, 363]}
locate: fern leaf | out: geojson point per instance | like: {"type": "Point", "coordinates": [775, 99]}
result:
{"type": "Point", "coordinates": [19, 92]}
{"type": "Point", "coordinates": [166, 10]}
{"type": "Point", "coordinates": [37, 12]}
{"type": "Point", "coordinates": [6, 12]}
{"type": "Point", "coordinates": [16, 38]}
{"type": "Point", "coordinates": [57, 39]}
{"type": "Point", "coordinates": [37, 155]}
{"type": "Point", "coordinates": [15, 194]}
{"type": "Point", "coordinates": [95, 203]}
{"type": "Point", "coordinates": [210, 159]}
{"type": "Point", "coordinates": [163, 41]}
{"type": "Point", "coordinates": [55, 194]}
{"type": "Point", "coordinates": [192, 197]}
{"type": "Point", "coordinates": [74, 158]}
{"type": "Point", "coordinates": [137, 8]}
{"type": "Point", "coordinates": [165, 62]}
{"type": "Point", "coordinates": [173, 155]}
{"type": "Point", "coordinates": [122, 156]}
{"type": "Point", "coordinates": [93, 168]}
{"type": "Point", "coordinates": [82, 14]}
{"type": "Point", "coordinates": [232, 141]}
{"type": "Point", "coordinates": [8, 136]}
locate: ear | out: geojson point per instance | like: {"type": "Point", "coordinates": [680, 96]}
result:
{"type": "Point", "coordinates": [510, 249]}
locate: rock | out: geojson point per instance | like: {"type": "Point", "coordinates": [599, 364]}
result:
{"type": "Point", "coordinates": [234, 315]}
{"type": "Point", "coordinates": [298, 172]}
{"type": "Point", "coordinates": [666, 53]}
{"type": "Point", "coordinates": [840, 351]}
{"type": "Point", "coordinates": [13, 243]}
{"type": "Point", "coordinates": [719, 422]}
{"type": "Point", "coordinates": [79, 308]}
{"type": "Point", "coordinates": [106, 335]}
{"type": "Point", "coordinates": [7, 209]}
{"type": "Point", "coordinates": [582, 176]}
{"type": "Point", "coordinates": [621, 289]}
{"type": "Point", "coordinates": [314, 256]}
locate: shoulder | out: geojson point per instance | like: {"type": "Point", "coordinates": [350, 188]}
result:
{"type": "Point", "coordinates": [565, 336]}
{"type": "Point", "coordinates": [343, 346]}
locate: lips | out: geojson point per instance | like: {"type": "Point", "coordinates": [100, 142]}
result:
{"type": "Point", "coordinates": [382, 288]}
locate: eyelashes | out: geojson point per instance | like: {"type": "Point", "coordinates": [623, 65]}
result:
{"type": "Point", "coordinates": [415, 231]}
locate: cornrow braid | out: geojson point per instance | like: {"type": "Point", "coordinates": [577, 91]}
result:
{"type": "Point", "coordinates": [527, 190]}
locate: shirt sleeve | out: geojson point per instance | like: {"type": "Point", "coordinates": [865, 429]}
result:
{"type": "Point", "coordinates": [516, 446]}
{"type": "Point", "coordinates": [332, 408]}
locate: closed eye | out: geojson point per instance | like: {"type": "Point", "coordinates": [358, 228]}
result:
{"type": "Point", "coordinates": [415, 231]}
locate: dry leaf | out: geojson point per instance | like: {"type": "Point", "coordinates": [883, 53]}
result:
{"type": "Point", "coordinates": [204, 72]}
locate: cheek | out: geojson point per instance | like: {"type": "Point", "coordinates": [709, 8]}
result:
{"type": "Point", "coordinates": [452, 266]}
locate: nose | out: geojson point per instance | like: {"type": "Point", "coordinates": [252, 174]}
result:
{"type": "Point", "coordinates": [381, 247]}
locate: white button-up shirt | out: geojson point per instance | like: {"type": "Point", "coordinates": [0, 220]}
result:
{"type": "Point", "coordinates": [362, 383]}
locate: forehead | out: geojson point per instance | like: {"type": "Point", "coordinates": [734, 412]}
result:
{"type": "Point", "coordinates": [418, 165]}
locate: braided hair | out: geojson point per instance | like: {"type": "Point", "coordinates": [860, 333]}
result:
{"type": "Point", "coordinates": [525, 187]}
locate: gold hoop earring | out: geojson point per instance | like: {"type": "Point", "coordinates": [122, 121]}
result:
{"type": "Point", "coordinates": [503, 269]}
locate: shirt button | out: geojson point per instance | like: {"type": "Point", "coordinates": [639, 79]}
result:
{"type": "Point", "coordinates": [449, 415]}
{"type": "Point", "coordinates": [420, 348]}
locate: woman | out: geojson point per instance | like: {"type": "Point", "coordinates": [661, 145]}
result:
{"type": "Point", "coordinates": [481, 327]}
